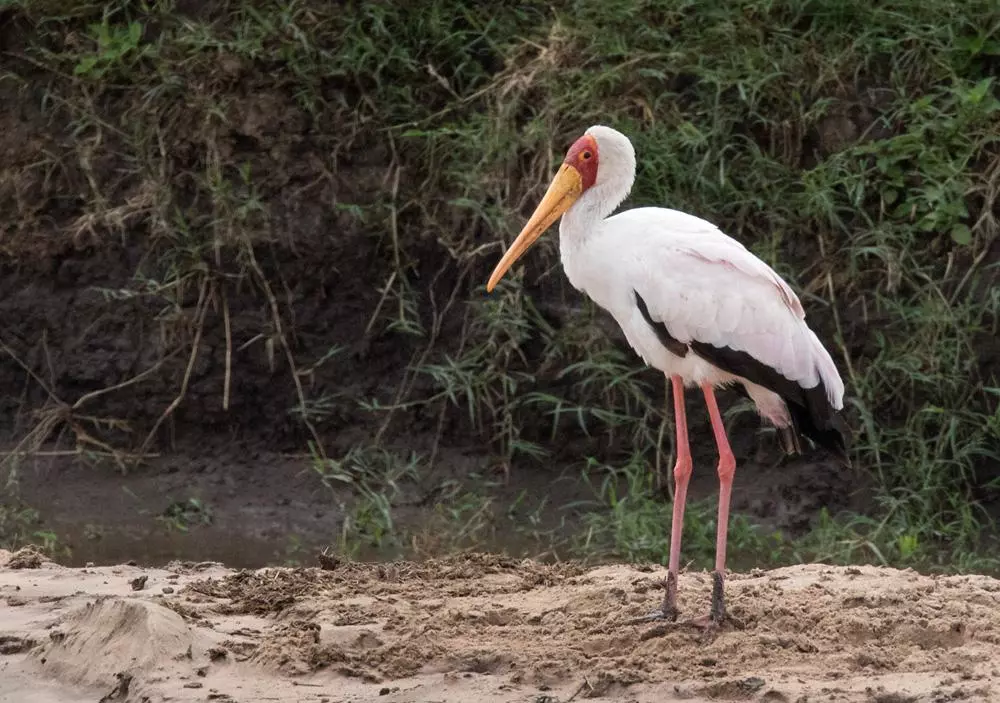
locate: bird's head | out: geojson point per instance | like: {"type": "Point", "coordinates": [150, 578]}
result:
{"type": "Point", "coordinates": [599, 168]}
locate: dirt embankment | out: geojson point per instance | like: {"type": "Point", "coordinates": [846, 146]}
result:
{"type": "Point", "coordinates": [140, 313]}
{"type": "Point", "coordinates": [489, 628]}
{"type": "Point", "coordinates": [194, 274]}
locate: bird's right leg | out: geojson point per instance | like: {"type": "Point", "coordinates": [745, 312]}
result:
{"type": "Point", "coordinates": [682, 475]}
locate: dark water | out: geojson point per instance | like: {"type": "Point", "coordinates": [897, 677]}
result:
{"type": "Point", "coordinates": [158, 548]}
{"type": "Point", "coordinates": [240, 551]}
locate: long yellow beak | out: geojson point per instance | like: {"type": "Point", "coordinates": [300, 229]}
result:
{"type": "Point", "coordinates": [564, 190]}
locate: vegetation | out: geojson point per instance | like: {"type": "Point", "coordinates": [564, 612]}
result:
{"type": "Point", "coordinates": [852, 145]}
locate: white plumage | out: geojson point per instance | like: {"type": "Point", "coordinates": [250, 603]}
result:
{"type": "Point", "coordinates": [700, 283]}
{"type": "Point", "coordinates": [693, 303]}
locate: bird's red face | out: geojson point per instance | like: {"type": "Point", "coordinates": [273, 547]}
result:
{"type": "Point", "coordinates": [577, 174]}
{"type": "Point", "coordinates": [582, 156]}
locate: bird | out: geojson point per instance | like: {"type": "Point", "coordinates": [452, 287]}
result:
{"type": "Point", "coordinates": [698, 306]}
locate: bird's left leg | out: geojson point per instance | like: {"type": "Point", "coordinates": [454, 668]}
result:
{"type": "Point", "coordinates": [727, 469]}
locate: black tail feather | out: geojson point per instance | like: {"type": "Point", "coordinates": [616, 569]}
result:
{"type": "Point", "coordinates": [789, 439]}
{"type": "Point", "coordinates": [817, 420]}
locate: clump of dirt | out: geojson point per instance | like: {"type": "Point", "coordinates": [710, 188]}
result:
{"type": "Point", "coordinates": [256, 592]}
{"type": "Point", "coordinates": [11, 644]}
{"type": "Point", "coordinates": [291, 648]}
{"type": "Point", "coordinates": [28, 557]}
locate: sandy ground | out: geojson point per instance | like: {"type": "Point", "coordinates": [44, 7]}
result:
{"type": "Point", "coordinates": [487, 628]}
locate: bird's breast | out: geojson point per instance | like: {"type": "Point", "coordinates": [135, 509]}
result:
{"type": "Point", "coordinates": [571, 264]}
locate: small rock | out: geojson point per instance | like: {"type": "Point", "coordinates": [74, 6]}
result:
{"type": "Point", "coordinates": [194, 684]}
{"type": "Point", "coordinates": [168, 589]}
{"type": "Point", "coordinates": [139, 582]}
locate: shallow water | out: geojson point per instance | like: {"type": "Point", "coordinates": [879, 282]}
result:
{"type": "Point", "coordinates": [236, 550]}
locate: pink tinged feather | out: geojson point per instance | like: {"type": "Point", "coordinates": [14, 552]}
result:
{"type": "Point", "coordinates": [750, 266]}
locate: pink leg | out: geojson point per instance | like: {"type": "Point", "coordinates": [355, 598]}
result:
{"type": "Point", "coordinates": [727, 469]}
{"type": "Point", "coordinates": [682, 475]}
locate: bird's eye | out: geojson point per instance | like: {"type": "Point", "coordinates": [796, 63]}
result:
{"type": "Point", "coordinates": [586, 156]}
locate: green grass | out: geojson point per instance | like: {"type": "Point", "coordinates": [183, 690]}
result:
{"type": "Point", "coordinates": [852, 145]}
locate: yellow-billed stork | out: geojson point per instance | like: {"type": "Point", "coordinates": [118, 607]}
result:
{"type": "Point", "coordinates": [695, 304]}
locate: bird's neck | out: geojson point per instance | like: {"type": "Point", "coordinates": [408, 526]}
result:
{"type": "Point", "coordinates": [587, 213]}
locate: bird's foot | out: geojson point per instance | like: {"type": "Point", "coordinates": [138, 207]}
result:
{"type": "Point", "coordinates": [709, 625]}
{"type": "Point", "coordinates": [659, 615]}
{"type": "Point", "coordinates": [668, 611]}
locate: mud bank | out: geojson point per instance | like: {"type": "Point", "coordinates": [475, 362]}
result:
{"type": "Point", "coordinates": [489, 628]}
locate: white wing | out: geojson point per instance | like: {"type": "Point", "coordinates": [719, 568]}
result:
{"type": "Point", "coordinates": [705, 286]}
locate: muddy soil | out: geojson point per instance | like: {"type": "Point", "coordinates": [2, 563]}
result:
{"type": "Point", "coordinates": [489, 628]}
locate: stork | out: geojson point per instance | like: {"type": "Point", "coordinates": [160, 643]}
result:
{"type": "Point", "coordinates": [695, 304]}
